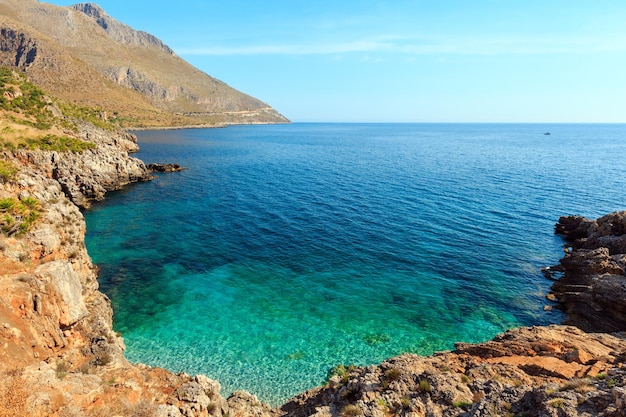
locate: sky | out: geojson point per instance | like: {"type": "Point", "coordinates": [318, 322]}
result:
{"type": "Point", "coordinates": [404, 60]}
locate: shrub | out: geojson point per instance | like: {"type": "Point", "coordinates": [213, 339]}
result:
{"type": "Point", "coordinates": [557, 403]}
{"type": "Point", "coordinates": [59, 143]}
{"type": "Point", "coordinates": [62, 369]}
{"type": "Point", "coordinates": [424, 386]}
{"type": "Point", "coordinates": [351, 410]}
{"type": "Point", "coordinates": [7, 204]}
{"type": "Point", "coordinates": [18, 216]}
{"type": "Point", "coordinates": [405, 402]}
{"type": "Point", "coordinates": [342, 371]}
{"type": "Point", "coordinates": [580, 385]}
{"type": "Point", "coordinates": [462, 404]}
{"type": "Point", "coordinates": [7, 171]}
{"type": "Point", "coordinates": [393, 374]}
{"type": "Point", "coordinates": [95, 116]}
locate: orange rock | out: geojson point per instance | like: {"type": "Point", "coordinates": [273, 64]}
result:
{"type": "Point", "coordinates": [579, 355]}
{"type": "Point", "coordinates": [540, 365]}
{"type": "Point", "coordinates": [546, 347]}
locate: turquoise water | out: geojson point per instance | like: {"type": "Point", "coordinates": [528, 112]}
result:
{"type": "Point", "coordinates": [285, 250]}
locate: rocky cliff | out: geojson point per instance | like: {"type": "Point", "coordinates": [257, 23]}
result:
{"type": "Point", "coordinates": [593, 286]}
{"type": "Point", "coordinates": [81, 53]}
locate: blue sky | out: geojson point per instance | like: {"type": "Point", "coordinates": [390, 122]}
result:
{"type": "Point", "coordinates": [404, 61]}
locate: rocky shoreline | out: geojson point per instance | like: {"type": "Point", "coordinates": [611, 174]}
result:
{"type": "Point", "coordinates": [60, 356]}
{"type": "Point", "coordinates": [592, 287]}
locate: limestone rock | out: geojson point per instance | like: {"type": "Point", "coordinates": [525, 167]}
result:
{"type": "Point", "coordinates": [593, 286]}
{"type": "Point", "coordinates": [156, 167]}
{"type": "Point", "coordinates": [65, 282]}
{"type": "Point", "coordinates": [244, 404]}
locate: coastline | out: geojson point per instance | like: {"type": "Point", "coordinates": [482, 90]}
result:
{"type": "Point", "coordinates": [200, 126]}
{"type": "Point", "coordinates": [51, 290]}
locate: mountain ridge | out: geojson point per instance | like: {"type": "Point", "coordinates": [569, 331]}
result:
{"type": "Point", "coordinates": [82, 54]}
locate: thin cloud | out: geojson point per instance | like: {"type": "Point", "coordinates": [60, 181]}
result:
{"type": "Point", "coordinates": [422, 46]}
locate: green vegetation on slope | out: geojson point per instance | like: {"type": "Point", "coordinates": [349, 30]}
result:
{"type": "Point", "coordinates": [16, 216]}
{"type": "Point", "coordinates": [27, 119]}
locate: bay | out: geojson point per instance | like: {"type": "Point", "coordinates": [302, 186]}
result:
{"type": "Point", "coordinates": [284, 250]}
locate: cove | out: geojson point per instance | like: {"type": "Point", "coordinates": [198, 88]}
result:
{"type": "Point", "coordinates": [285, 250]}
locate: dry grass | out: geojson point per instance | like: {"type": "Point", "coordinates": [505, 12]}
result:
{"type": "Point", "coordinates": [580, 385]}
{"type": "Point", "coordinates": [11, 132]}
{"type": "Point", "coordinates": [123, 408]}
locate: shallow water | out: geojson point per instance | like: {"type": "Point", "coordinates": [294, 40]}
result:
{"type": "Point", "coordinates": [285, 250]}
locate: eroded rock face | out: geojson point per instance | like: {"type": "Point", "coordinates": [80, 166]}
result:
{"type": "Point", "coordinates": [63, 281]}
{"type": "Point", "coordinates": [593, 286]}
{"type": "Point", "coordinates": [88, 176]}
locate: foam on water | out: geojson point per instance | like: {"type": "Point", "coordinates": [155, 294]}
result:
{"type": "Point", "coordinates": [286, 250]}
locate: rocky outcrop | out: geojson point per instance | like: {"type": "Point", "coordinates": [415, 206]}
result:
{"type": "Point", "coordinates": [86, 177]}
{"type": "Point", "coordinates": [156, 167]}
{"type": "Point", "coordinates": [118, 31]}
{"type": "Point", "coordinates": [21, 48]}
{"type": "Point", "coordinates": [538, 371]}
{"type": "Point", "coordinates": [592, 287]}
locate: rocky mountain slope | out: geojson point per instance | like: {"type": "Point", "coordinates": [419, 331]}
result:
{"type": "Point", "coordinates": [59, 355]}
{"type": "Point", "coordinates": [82, 54]}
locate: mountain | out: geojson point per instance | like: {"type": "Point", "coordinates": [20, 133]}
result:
{"type": "Point", "coordinates": [82, 54]}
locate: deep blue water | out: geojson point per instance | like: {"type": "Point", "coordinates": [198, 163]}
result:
{"type": "Point", "coordinates": [285, 250]}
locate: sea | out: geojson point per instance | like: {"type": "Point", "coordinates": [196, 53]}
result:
{"type": "Point", "coordinates": [284, 250]}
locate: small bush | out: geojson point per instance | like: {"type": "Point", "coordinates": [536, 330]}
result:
{"type": "Point", "coordinates": [30, 203]}
{"type": "Point", "coordinates": [424, 386]}
{"type": "Point", "coordinates": [18, 216]}
{"type": "Point", "coordinates": [7, 171]}
{"type": "Point", "coordinates": [557, 403]}
{"type": "Point", "coordinates": [393, 374]}
{"type": "Point", "coordinates": [462, 404]}
{"type": "Point", "coordinates": [7, 204]}
{"type": "Point", "coordinates": [405, 402]}
{"type": "Point", "coordinates": [62, 369]}
{"type": "Point", "coordinates": [351, 410]}
{"type": "Point", "coordinates": [58, 143]}
{"type": "Point", "coordinates": [342, 371]}
{"type": "Point", "coordinates": [580, 385]}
